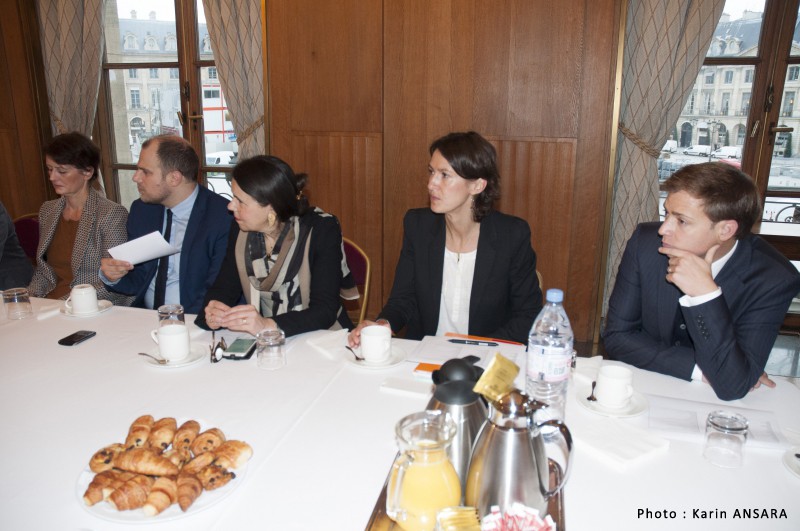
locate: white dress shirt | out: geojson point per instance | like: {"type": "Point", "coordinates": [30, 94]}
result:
{"type": "Point", "coordinates": [456, 292]}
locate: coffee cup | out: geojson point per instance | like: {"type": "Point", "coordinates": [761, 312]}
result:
{"type": "Point", "coordinates": [82, 299]}
{"type": "Point", "coordinates": [376, 343]}
{"type": "Point", "coordinates": [614, 386]}
{"type": "Point", "coordinates": [172, 340]}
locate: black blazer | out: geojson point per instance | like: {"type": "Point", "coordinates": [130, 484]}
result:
{"type": "Point", "coordinates": [505, 297]}
{"type": "Point", "coordinates": [731, 335]}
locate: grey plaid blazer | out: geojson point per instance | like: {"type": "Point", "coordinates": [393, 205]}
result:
{"type": "Point", "coordinates": [102, 225]}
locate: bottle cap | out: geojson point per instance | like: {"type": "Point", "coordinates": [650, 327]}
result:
{"type": "Point", "coordinates": [555, 295]}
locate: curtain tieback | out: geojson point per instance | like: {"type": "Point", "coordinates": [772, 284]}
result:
{"type": "Point", "coordinates": [249, 131]}
{"type": "Point", "coordinates": [58, 123]}
{"type": "Point", "coordinates": [644, 146]}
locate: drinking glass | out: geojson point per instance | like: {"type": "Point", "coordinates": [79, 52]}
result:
{"type": "Point", "coordinates": [170, 314]}
{"type": "Point", "coordinates": [271, 345]}
{"type": "Point", "coordinates": [17, 303]}
{"type": "Point", "coordinates": [726, 435]}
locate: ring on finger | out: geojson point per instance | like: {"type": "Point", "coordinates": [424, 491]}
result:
{"type": "Point", "coordinates": [244, 320]}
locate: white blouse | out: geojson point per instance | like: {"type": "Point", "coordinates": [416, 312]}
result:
{"type": "Point", "coordinates": [456, 291]}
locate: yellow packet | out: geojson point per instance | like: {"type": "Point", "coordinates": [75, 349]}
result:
{"type": "Point", "coordinates": [457, 519]}
{"type": "Point", "coordinates": [498, 379]}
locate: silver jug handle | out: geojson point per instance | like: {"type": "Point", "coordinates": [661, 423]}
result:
{"type": "Point", "coordinates": [568, 439]}
{"type": "Point", "coordinates": [394, 492]}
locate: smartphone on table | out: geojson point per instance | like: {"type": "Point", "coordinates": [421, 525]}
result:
{"type": "Point", "coordinates": [78, 337]}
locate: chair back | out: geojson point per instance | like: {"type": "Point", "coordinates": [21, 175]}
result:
{"type": "Point", "coordinates": [359, 264]}
{"type": "Point", "coordinates": [27, 229]}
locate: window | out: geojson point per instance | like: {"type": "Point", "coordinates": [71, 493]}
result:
{"type": "Point", "coordinates": [135, 103]}
{"type": "Point", "coordinates": [207, 44]}
{"type": "Point", "coordinates": [709, 78]}
{"type": "Point", "coordinates": [171, 43]}
{"type": "Point", "coordinates": [154, 73]}
{"type": "Point", "coordinates": [745, 104]}
{"type": "Point", "coordinates": [151, 44]}
{"type": "Point", "coordinates": [788, 104]}
{"type": "Point", "coordinates": [130, 42]}
{"type": "Point", "coordinates": [212, 72]}
{"type": "Point", "coordinates": [707, 107]}
{"type": "Point", "coordinates": [133, 73]}
{"type": "Point", "coordinates": [726, 102]}
{"type": "Point", "coordinates": [793, 73]}
{"type": "Point", "coordinates": [174, 73]}
{"type": "Point", "coordinates": [728, 77]}
{"type": "Point", "coordinates": [748, 76]}
{"type": "Point", "coordinates": [154, 103]}
{"type": "Point", "coordinates": [210, 94]}
{"type": "Point", "coordinates": [690, 105]}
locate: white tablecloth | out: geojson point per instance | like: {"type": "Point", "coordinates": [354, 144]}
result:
{"type": "Point", "coordinates": [322, 434]}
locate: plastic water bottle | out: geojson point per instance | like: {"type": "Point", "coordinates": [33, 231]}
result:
{"type": "Point", "coordinates": [550, 357]}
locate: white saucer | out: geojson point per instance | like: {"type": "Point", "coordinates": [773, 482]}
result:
{"type": "Point", "coordinates": [102, 306]}
{"type": "Point", "coordinates": [198, 352]}
{"type": "Point", "coordinates": [791, 462]}
{"type": "Point", "coordinates": [635, 407]}
{"type": "Point", "coordinates": [397, 357]}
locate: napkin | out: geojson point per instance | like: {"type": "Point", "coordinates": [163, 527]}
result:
{"type": "Point", "coordinates": [329, 343]}
{"type": "Point", "coordinates": [46, 312]}
{"type": "Point", "coordinates": [620, 444]}
{"type": "Point", "coordinates": [586, 369]}
{"type": "Point", "coordinates": [792, 436]}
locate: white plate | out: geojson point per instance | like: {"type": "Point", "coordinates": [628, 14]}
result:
{"type": "Point", "coordinates": [198, 352]}
{"type": "Point", "coordinates": [101, 307]}
{"type": "Point", "coordinates": [791, 462]}
{"type": "Point", "coordinates": [635, 407]}
{"type": "Point", "coordinates": [397, 357]}
{"type": "Point", "coordinates": [207, 498]}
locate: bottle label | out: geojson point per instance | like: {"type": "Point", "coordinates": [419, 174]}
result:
{"type": "Point", "coordinates": [548, 364]}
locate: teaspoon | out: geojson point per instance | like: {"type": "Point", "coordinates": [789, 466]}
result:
{"type": "Point", "coordinates": [591, 397]}
{"type": "Point", "coordinates": [354, 353]}
{"type": "Point", "coordinates": [159, 360]}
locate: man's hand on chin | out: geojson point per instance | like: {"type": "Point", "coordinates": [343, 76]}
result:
{"type": "Point", "coordinates": [763, 379]}
{"type": "Point", "coordinates": [689, 272]}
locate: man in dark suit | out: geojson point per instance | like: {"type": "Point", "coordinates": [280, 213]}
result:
{"type": "Point", "coordinates": [700, 296]}
{"type": "Point", "coordinates": [190, 217]}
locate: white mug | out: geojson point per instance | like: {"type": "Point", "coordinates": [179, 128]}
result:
{"type": "Point", "coordinates": [376, 343]}
{"type": "Point", "coordinates": [82, 299]}
{"type": "Point", "coordinates": [173, 341]}
{"type": "Point", "coordinates": [614, 386]}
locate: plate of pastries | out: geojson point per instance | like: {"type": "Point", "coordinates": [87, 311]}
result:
{"type": "Point", "coordinates": [163, 471]}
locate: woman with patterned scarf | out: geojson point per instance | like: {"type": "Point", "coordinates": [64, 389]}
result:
{"type": "Point", "coordinates": [285, 259]}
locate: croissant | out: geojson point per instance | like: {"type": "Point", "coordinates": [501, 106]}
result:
{"type": "Point", "coordinates": [163, 494]}
{"type": "Point", "coordinates": [214, 477]}
{"type": "Point", "coordinates": [139, 431]}
{"type": "Point", "coordinates": [161, 434]}
{"type": "Point", "coordinates": [101, 461]}
{"type": "Point", "coordinates": [208, 441]}
{"type": "Point", "coordinates": [178, 456]}
{"type": "Point", "coordinates": [233, 454]}
{"type": "Point", "coordinates": [94, 493]}
{"type": "Point", "coordinates": [132, 494]}
{"type": "Point", "coordinates": [117, 482]}
{"type": "Point", "coordinates": [189, 488]}
{"type": "Point", "coordinates": [144, 461]}
{"type": "Point", "coordinates": [198, 463]}
{"type": "Point", "coordinates": [186, 434]}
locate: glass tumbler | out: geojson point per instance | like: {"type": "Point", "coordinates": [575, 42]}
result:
{"type": "Point", "coordinates": [726, 435]}
{"type": "Point", "coordinates": [17, 303]}
{"type": "Point", "coordinates": [170, 314]}
{"type": "Point", "coordinates": [271, 345]}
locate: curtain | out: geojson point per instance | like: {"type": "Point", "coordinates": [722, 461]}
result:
{"type": "Point", "coordinates": [72, 46]}
{"type": "Point", "coordinates": [234, 27]}
{"type": "Point", "coordinates": [665, 44]}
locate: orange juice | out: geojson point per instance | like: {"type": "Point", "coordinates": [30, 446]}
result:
{"type": "Point", "coordinates": [430, 482]}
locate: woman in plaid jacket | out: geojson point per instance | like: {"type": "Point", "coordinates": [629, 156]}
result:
{"type": "Point", "coordinates": [76, 231]}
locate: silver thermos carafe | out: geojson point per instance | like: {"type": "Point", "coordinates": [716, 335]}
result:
{"type": "Point", "coordinates": [509, 460]}
{"type": "Point", "coordinates": [454, 395]}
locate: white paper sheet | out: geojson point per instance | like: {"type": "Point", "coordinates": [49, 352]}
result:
{"type": "Point", "coordinates": [438, 349]}
{"type": "Point", "coordinates": [147, 247]}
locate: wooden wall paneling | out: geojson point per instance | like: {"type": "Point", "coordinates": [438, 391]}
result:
{"type": "Point", "coordinates": [428, 92]}
{"type": "Point", "coordinates": [599, 64]}
{"type": "Point", "coordinates": [24, 124]}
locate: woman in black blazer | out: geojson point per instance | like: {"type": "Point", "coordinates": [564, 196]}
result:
{"type": "Point", "coordinates": [463, 268]}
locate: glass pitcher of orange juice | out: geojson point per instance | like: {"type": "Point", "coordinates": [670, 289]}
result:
{"type": "Point", "coordinates": [423, 478]}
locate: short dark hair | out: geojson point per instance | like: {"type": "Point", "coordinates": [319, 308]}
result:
{"type": "Point", "coordinates": [472, 157]}
{"type": "Point", "coordinates": [270, 181]}
{"type": "Point", "coordinates": [175, 153]}
{"type": "Point", "coordinates": [726, 193]}
{"type": "Point", "coordinates": [75, 149]}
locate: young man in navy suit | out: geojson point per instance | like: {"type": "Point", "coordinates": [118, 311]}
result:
{"type": "Point", "coordinates": [189, 216]}
{"type": "Point", "coordinates": [699, 296]}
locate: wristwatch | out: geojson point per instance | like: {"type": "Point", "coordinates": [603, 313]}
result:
{"type": "Point", "coordinates": [382, 321]}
